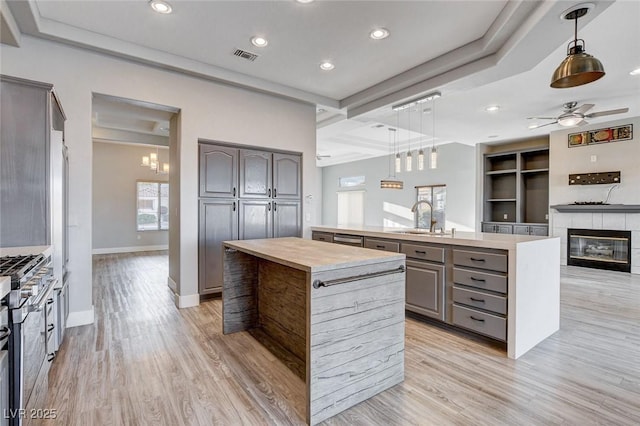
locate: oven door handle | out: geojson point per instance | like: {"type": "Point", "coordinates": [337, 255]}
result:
{"type": "Point", "coordinates": [42, 301]}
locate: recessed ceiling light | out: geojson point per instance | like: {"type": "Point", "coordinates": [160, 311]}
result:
{"type": "Point", "coordinates": [379, 33]}
{"type": "Point", "coordinates": [492, 136]}
{"type": "Point", "coordinates": [160, 6]}
{"type": "Point", "coordinates": [304, 1]}
{"type": "Point", "coordinates": [533, 126]}
{"type": "Point", "coordinates": [635, 72]}
{"type": "Point", "coordinates": [326, 66]}
{"type": "Point", "coordinates": [492, 108]}
{"type": "Point", "coordinates": [259, 41]}
{"type": "Point", "coordinates": [320, 110]}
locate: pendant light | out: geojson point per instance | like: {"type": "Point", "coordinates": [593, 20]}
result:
{"type": "Point", "coordinates": [433, 156]}
{"type": "Point", "coordinates": [152, 161]}
{"type": "Point", "coordinates": [398, 162]}
{"type": "Point", "coordinates": [391, 182]}
{"type": "Point", "coordinates": [578, 67]}
{"type": "Point", "coordinates": [420, 151]}
{"type": "Point", "coordinates": [409, 158]}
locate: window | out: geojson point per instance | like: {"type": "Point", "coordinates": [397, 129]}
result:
{"type": "Point", "coordinates": [350, 208]}
{"type": "Point", "coordinates": [350, 181]}
{"type": "Point", "coordinates": [153, 206]}
{"type": "Point", "coordinates": [437, 196]}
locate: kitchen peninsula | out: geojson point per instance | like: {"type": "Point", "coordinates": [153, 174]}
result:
{"type": "Point", "coordinates": [334, 315]}
{"type": "Point", "coordinates": [506, 287]}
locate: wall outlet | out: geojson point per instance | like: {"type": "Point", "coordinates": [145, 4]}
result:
{"type": "Point", "coordinates": [505, 216]}
{"type": "Point", "coordinates": [546, 216]}
{"type": "Point", "coordinates": [138, 237]}
{"type": "Point", "coordinates": [594, 158]}
{"type": "Point", "coordinates": [307, 217]}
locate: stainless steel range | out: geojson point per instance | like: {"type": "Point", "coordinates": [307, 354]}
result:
{"type": "Point", "coordinates": [31, 321]}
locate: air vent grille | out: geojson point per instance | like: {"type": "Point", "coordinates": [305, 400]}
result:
{"type": "Point", "coordinates": [245, 55]}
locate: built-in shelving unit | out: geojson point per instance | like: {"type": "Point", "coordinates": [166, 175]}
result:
{"type": "Point", "coordinates": [516, 192]}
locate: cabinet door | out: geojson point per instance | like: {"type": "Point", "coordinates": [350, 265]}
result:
{"type": "Point", "coordinates": [218, 171]}
{"type": "Point", "coordinates": [521, 229]}
{"type": "Point", "coordinates": [504, 229]}
{"type": "Point", "coordinates": [218, 223]}
{"type": "Point", "coordinates": [287, 180]}
{"type": "Point", "coordinates": [488, 227]}
{"type": "Point", "coordinates": [425, 289]}
{"type": "Point", "coordinates": [255, 174]}
{"type": "Point", "coordinates": [255, 219]}
{"type": "Point", "coordinates": [287, 219]}
{"type": "Point", "coordinates": [24, 193]}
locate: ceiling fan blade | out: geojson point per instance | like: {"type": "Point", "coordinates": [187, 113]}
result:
{"type": "Point", "coordinates": [542, 125]}
{"type": "Point", "coordinates": [609, 112]}
{"type": "Point", "coordinates": [541, 118]}
{"type": "Point", "coordinates": [582, 108]}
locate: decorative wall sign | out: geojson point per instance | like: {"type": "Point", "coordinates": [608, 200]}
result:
{"type": "Point", "coordinates": [599, 136]}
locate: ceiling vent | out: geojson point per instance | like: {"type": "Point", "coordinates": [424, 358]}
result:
{"type": "Point", "coordinates": [245, 55]}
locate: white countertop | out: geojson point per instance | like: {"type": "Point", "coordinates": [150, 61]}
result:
{"type": "Point", "coordinates": [5, 286]}
{"type": "Point", "coordinates": [309, 255]}
{"type": "Point", "coordinates": [471, 239]}
{"type": "Point", "coordinates": [24, 251]}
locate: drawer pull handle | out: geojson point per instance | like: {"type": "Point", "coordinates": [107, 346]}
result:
{"type": "Point", "coordinates": [473, 259]}
{"type": "Point", "coordinates": [379, 246]}
{"type": "Point", "coordinates": [476, 319]}
{"type": "Point", "coordinates": [481, 280]}
{"type": "Point", "coordinates": [420, 252]}
{"type": "Point", "coordinates": [50, 357]}
{"type": "Point", "coordinates": [51, 327]}
{"type": "Point", "coordinates": [477, 300]}
{"type": "Point", "coordinates": [321, 239]}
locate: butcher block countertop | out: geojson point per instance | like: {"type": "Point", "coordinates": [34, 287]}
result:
{"type": "Point", "coordinates": [311, 256]}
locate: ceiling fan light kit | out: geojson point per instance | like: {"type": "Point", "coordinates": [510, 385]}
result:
{"type": "Point", "coordinates": [578, 67]}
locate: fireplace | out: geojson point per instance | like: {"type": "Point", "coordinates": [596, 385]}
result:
{"type": "Point", "coordinates": [599, 248]}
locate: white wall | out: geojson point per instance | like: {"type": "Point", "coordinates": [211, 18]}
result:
{"type": "Point", "coordinates": [623, 156]}
{"type": "Point", "coordinates": [116, 169]}
{"type": "Point", "coordinates": [456, 169]}
{"type": "Point", "coordinates": [207, 110]}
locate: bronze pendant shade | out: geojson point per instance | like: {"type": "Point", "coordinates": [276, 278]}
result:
{"type": "Point", "coordinates": [578, 67]}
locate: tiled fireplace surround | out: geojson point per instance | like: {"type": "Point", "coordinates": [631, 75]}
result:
{"type": "Point", "coordinates": [560, 222]}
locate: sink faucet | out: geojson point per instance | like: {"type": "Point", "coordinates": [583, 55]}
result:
{"type": "Point", "coordinates": [432, 221]}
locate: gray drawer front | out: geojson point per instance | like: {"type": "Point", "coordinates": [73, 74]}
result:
{"type": "Point", "coordinates": [433, 254]}
{"type": "Point", "coordinates": [381, 245]}
{"type": "Point", "coordinates": [478, 259]}
{"type": "Point", "coordinates": [480, 322]}
{"type": "Point", "coordinates": [482, 280]}
{"type": "Point", "coordinates": [322, 236]}
{"type": "Point", "coordinates": [490, 302]}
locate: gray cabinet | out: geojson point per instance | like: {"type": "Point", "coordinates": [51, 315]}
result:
{"type": "Point", "coordinates": [540, 230]}
{"type": "Point", "coordinates": [287, 218]}
{"type": "Point", "coordinates": [287, 179]}
{"type": "Point", "coordinates": [425, 288]}
{"type": "Point", "coordinates": [255, 174]}
{"type": "Point", "coordinates": [218, 171]}
{"type": "Point", "coordinates": [218, 223]}
{"type": "Point", "coordinates": [516, 191]}
{"type": "Point", "coordinates": [24, 163]}
{"type": "Point", "coordinates": [244, 194]}
{"type": "Point", "coordinates": [255, 219]}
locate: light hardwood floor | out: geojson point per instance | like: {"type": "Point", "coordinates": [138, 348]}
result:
{"type": "Point", "coordinates": [144, 362]}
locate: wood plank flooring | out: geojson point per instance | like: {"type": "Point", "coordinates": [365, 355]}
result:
{"type": "Point", "coordinates": [144, 362]}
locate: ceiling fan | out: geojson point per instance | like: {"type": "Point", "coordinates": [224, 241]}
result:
{"type": "Point", "coordinates": [574, 115]}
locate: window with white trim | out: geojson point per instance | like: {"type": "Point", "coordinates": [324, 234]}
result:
{"type": "Point", "coordinates": [152, 206]}
{"type": "Point", "coordinates": [437, 196]}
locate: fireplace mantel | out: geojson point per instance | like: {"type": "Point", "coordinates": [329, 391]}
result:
{"type": "Point", "coordinates": [597, 208]}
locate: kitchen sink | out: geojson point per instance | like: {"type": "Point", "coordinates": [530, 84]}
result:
{"type": "Point", "coordinates": [419, 232]}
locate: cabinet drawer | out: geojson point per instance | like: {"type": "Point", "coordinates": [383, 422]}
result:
{"type": "Point", "coordinates": [482, 280]}
{"type": "Point", "coordinates": [490, 302]}
{"type": "Point", "coordinates": [480, 322]}
{"type": "Point", "coordinates": [322, 236]}
{"type": "Point", "coordinates": [478, 259]}
{"type": "Point", "coordinates": [381, 245]}
{"type": "Point", "coordinates": [433, 254]}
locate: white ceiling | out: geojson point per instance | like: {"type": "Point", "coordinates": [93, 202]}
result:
{"type": "Point", "coordinates": [476, 53]}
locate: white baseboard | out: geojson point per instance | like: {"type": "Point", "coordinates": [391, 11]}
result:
{"type": "Point", "coordinates": [76, 319]}
{"type": "Point", "coordinates": [129, 249]}
{"type": "Point", "coordinates": [172, 285]}
{"type": "Point", "coordinates": [188, 301]}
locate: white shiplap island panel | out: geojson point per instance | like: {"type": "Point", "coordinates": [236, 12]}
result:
{"type": "Point", "coordinates": [334, 314]}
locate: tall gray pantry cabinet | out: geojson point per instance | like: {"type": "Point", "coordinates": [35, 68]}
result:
{"type": "Point", "coordinates": [244, 194]}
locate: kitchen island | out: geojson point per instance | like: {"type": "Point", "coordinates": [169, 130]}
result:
{"type": "Point", "coordinates": [334, 315]}
{"type": "Point", "coordinates": [503, 286]}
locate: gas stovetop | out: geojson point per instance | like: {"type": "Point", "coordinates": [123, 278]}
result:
{"type": "Point", "coordinates": [19, 268]}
